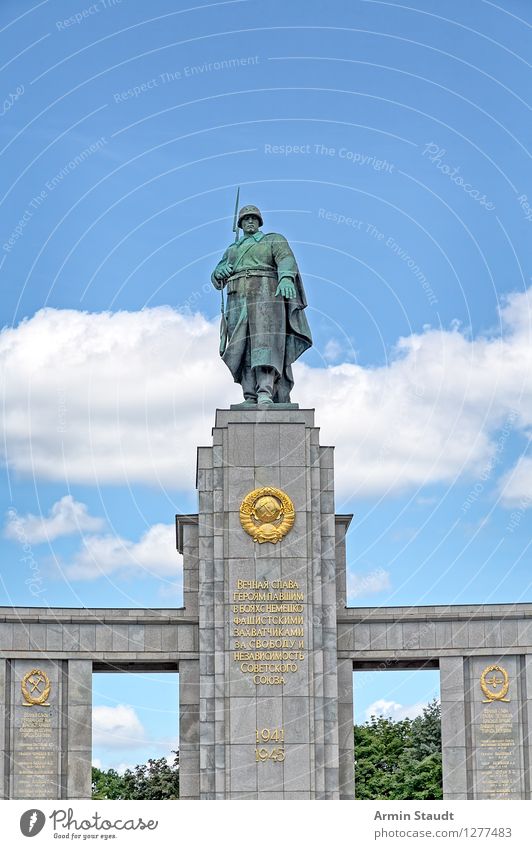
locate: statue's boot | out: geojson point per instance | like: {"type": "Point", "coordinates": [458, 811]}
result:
{"type": "Point", "coordinates": [249, 402]}
{"type": "Point", "coordinates": [249, 388]}
{"type": "Point", "coordinates": [265, 377]}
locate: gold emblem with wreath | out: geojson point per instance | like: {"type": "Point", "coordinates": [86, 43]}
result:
{"type": "Point", "coordinates": [267, 514]}
{"type": "Point", "coordinates": [36, 687]}
{"type": "Point", "coordinates": [495, 695]}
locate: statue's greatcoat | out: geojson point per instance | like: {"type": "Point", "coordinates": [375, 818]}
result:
{"type": "Point", "coordinates": [264, 329]}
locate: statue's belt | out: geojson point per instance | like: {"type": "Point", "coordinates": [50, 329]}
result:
{"type": "Point", "coordinates": [257, 271]}
{"type": "Point", "coordinates": [249, 272]}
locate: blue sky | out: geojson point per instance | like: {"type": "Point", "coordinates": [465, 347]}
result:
{"type": "Point", "coordinates": [388, 143]}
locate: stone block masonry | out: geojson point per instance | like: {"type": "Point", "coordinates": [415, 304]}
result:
{"type": "Point", "coordinates": [265, 647]}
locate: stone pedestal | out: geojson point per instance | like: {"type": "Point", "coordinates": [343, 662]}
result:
{"type": "Point", "coordinates": [485, 717]}
{"type": "Point", "coordinates": [46, 732]}
{"type": "Point", "coordinates": [268, 677]}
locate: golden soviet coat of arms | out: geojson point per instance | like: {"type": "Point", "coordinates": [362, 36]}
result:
{"type": "Point", "coordinates": [35, 687]}
{"type": "Point", "coordinates": [495, 683]}
{"type": "Point", "coordinates": [267, 514]}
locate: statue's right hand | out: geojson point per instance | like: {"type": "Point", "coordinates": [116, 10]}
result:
{"type": "Point", "coordinates": [223, 271]}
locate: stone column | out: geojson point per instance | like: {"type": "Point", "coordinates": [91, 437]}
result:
{"type": "Point", "coordinates": [47, 729]}
{"type": "Point", "coordinates": [268, 714]}
{"type": "Point", "coordinates": [485, 721]}
{"type": "Point", "coordinates": [346, 740]}
{"type": "Point", "coordinates": [498, 727]}
{"type": "Point", "coordinates": [453, 728]}
{"type": "Point", "coordinates": [4, 719]}
{"type": "Point", "coordinates": [527, 722]}
{"type": "Point", "coordinates": [77, 729]}
{"type": "Point", "coordinates": [189, 753]}
{"type": "Point", "coordinates": [36, 768]}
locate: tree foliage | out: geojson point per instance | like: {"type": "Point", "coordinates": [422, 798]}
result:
{"type": "Point", "coordinates": [156, 779]}
{"type": "Point", "coordinates": [399, 759]}
{"type": "Point", "coordinates": [393, 760]}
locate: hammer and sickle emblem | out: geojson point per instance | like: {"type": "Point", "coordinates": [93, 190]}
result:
{"type": "Point", "coordinates": [35, 687]}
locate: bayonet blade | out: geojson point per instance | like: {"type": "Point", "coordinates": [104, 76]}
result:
{"type": "Point", "coordinates": [235, 218]}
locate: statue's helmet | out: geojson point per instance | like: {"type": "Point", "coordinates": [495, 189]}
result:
{"type": "Point", "coordinates": [250, 210]}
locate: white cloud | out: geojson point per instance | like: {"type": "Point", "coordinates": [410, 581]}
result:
{"type": "Point", "coordinates": [427, 501]}
{"type": "Point", "coordinates": [66, 517]}
{"type": "Point", "coordinates": [116, 397]}
{"type": "Point", "coordinates": [516, 486]}
{"type": "Point", "coordinates": [122, 766]}
{"type": "Point", "coordinates": [111, 397]}
{"type": "Point", "coordinates": [103, 554]}
{"type": "Point", "coordinates": [117, 727]}
{"type": "Point", "coordinates": [114, 760]}
{"type": "Point", "coordinates": [332, 351]}
{"type": "Point", "coordinates": [119, 734]}
{"type": "Point", "coordinates": [369, 583]}
{"type": "Point", "coordinates": [396, 711]}
{"type": "Point", "coordinates": [154, 555]}
{"type": "Point", "coordinates": [432, 413]}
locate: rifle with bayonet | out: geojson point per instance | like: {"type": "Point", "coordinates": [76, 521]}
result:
{"type": "Point", "coordinates": [223, 320]}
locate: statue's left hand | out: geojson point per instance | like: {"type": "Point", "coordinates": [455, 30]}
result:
{"type": "Point", "coordinates": [286, 288]}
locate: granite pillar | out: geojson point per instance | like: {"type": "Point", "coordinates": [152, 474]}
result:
{"type": "Point", "coordinates": [485, 737]}
{"type": "Point", "coordinates": [497, 728]}
{"type": "Point", "coordinates": [35, 753]}
{"type": "Point", "coordinates": [453, 728]}
{"type": "Point", "coordinates": [189, 751]}
{"type": "Point", "coordinates": [77, 725]}
{"type": "Point", "coordinates": [47, 728]}
{"type": "Point", "coordinates": [268, 679]}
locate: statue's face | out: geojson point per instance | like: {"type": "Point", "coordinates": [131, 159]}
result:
{"type": "Point", "coordinates": [250, 224]}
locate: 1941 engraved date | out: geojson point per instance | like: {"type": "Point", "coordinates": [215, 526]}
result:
{"type": "Point", "coordinates": [269, 735]}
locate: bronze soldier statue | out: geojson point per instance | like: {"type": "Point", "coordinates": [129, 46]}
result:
{"type": "Point", "coordinates": [264, 329]}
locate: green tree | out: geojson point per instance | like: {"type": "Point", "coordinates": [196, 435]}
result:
{"type": "Point", "coordinates": [399, 759]}
{"type": "Point", "coordinates": [108, 784]}
{"type": "Point", "coordinates": [425, 738]}
{"type": "Point", "coordinates": [421, 768]}
{"type": "Point", "coordinates": [379, 745]}
{"type": "Point", "coordinates": [421, 779]}
{"type": "Point", "coordinates": [156, 779]}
